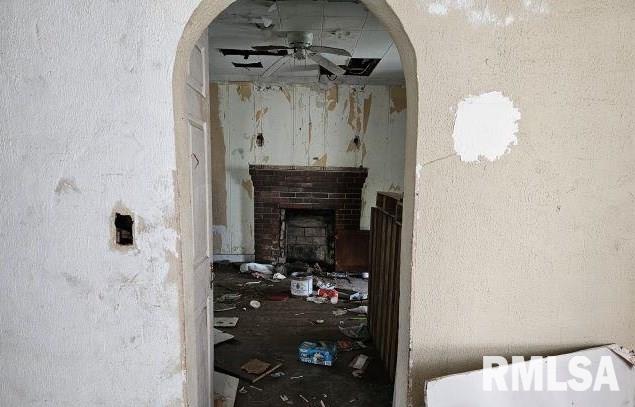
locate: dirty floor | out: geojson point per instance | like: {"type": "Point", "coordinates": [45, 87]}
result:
{"type": "Point", "coordinates": [273, 332]}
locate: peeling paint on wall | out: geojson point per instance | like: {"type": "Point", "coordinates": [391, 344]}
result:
{"type": "Point", "coordinates": [244, 91]}
{"type": "Point", "coordinates": [313, 129]}
{"type": "Point", "coordinates": [331, 97]}
{"type": "Point", "coordinates": [397, 99]}
{"type": "Point", "coordinates": [320, 162]}
{"type": "Point", "coordinates": [485, 126]}
{"type": "Point", "coordinates": [248, 185]}
{"type": "Point", "coordinates": [366, 111]}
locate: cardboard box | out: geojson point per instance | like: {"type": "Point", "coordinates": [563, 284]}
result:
{"type": "Point", "coordinates": [318, 352]}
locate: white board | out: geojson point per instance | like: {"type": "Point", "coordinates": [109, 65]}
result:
{"type": "Point", "coordinates": [466, 389]}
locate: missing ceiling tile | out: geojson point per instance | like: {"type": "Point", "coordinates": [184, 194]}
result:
{"type": "Point", "coordinates": [247, 65]}
{"type": "Point", "coordinates": [356, 67]}
{"type": "Point", "coordinates": [246, 53]}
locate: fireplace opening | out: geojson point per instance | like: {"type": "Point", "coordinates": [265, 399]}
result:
{"type": "Point", "coordinates": [309, 235]}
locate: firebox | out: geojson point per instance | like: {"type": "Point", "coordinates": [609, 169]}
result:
{"type": "Point", "coordinates": [311, 198]}
{"type": "Point", "coordinates": [308, 235]}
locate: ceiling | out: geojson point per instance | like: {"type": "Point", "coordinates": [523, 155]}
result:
{"type": "Point", "coordinates": [343, 24]}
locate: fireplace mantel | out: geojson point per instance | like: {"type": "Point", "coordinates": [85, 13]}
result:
{"type": "Point", "coordinates": [279, 188]}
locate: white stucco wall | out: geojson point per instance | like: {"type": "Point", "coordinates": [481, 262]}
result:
{"type": "Point", "coordinates": [301, 125]}
{"type": "Point", "coordinates": [86, 127]}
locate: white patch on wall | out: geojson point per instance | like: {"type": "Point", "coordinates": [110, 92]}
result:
{"type": "Point", "coordinates": [479, 15]}
{"type": "Point", "coordinates": [485, 126]}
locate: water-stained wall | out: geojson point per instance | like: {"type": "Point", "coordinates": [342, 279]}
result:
{"type": "Point", "coordinates": [301, 125]}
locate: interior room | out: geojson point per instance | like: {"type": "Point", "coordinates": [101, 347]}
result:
{"type": "Point", "coordinates": [307, 128]}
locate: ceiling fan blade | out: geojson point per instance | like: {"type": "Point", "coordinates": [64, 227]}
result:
{"type": "Point", "coordinates": [276, 65]}
{"type": "Point", "coordinates": [269, 47]}
{"type": "Point", "coordinates": [329, 50]}
{"type": "Point", "coordinates": [326, 64]}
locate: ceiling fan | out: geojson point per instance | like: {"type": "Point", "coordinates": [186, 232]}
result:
{"type": "Point", "coordinates": [302, 48]}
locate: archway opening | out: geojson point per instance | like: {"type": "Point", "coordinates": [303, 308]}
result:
{"type": "Point", "coordinates": [302, 122]}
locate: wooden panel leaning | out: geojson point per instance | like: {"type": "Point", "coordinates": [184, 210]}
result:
{"type": "Point", "coordinates": [383, 291]}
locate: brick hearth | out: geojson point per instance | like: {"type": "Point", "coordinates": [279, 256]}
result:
{"type": "Point", "coordinates": [284, 187]}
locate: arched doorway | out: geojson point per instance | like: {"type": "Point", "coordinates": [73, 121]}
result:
{"type": "Point", "coordinates": [191, 295]}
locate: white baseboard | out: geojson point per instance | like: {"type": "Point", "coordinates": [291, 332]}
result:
{"type": "Point", "coordinates": [234, 258]}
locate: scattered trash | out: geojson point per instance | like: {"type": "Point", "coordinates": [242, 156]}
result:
{"type": "Point", "coordinates": [359, 364]}
{"type": "Point", "coordinates": [220, 336]}
{"type": "Point", "coordinates": [303, 398]}
{"type": "Point", "coordinates": [339, 312]}
{"type": "Point", "coordinates": [318, 352]}
{"type": "Point", "coordinates": [279, 276]}
{"type": "Point", "coordinates": [254, 304]}
{"type": "Point", "coordinates": [277, 374]}
{"type": "Point", "coordinates": [225, 388]}
{"type": "Point", "coordinates": [284, 398]}
{"type": "Point", "coordinates": [299, 313]}
{"type": "Point", "coordinates": [252, 282]}
{"type": "Point", "coordinates": [362, 309]}
{"type": "Point", "coordinates": [321, 284]}
{"type": "Point", "coordinates": [256, 268]}
{"type": "Point", "coordinates": [354, 328]}
{"type": "Point", "coordinates": [301, 284]}
{"type": "Point", "coordinates": [295, 377]}
{"type": "Point", "coordinates": [228, 297]}
{"type": "Point", "coordinates": [353, 295]}
{"type": "Point", "coordinates": [263, 276]}
{"type": "Point", "coordinates": [255, 366]}
{"type": "Point", "coordinates": [319, 321]}
{"type": "Point", "coordinates": [278, 297]}
{"type": "Point", "coordinates": [276, 367]}
{"type": "Point", "coordinates": [317, 300]}
{"type": "Point", "coordinates": [242, 390]}
{"type": "Point", "coordinates": [346, 345]}
{"type": "Point", "coordinates": [331, 294]}
{"type": "Point", "coordinates": [322, 404]}
{"type": "Point", "coordinates": [255, 388]}
{"type": "Point", "coordinates": [223, 307]}
{"type": "Point", "coordinates": [225, 322]}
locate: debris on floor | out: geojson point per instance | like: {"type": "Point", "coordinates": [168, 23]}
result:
{"type": "Point", "coordinates": [255, 366]}
{"type": "Point", "coordinates": [225, 322]}
{"type": "Point", "coordinates": [354, 328]}
{"type": "Point", "coordinates": [362, 309]}
{"type": "Point", "coordinates": [318, 352]}
{"type": "Point", "coordinates": [254, 304]}
{"type": "Point", "coordinates": [272, 335]}
{"type": "Point", "coordinates": [301, 284]}
{"type": "Point", "coordinates": [317, 300]}
{"type": "Point", "coordinates": [225, 388]}
{"type": "Point", "coordinates": [256, 268]}
{"type": "Point", "coordinates": [359, 364]}
{"type": "Point", "coordinates": [329, 293]}
{"type": "Point", "coordinates": [220, 336]}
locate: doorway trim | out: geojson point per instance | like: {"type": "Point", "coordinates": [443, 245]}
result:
{"type": "Point", "coordinates": [201, 18]}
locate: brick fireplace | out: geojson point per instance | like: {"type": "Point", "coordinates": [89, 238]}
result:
{"type": "Point", "coordinates": [303, 199]}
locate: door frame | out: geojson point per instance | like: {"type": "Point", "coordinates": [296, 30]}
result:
{"type": "Point", "coordinates": [202, 17]}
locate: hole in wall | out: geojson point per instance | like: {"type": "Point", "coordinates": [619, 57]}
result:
{"type": "Point", "coordinates": [124, 229]}
{"type": "Point", "coordinates": [260, 140]}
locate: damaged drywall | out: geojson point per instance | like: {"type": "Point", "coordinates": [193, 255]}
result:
{"type": "Point", "coordinates": [485, 126]}
{"type": "Point", "coordinates": [308, 125]}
